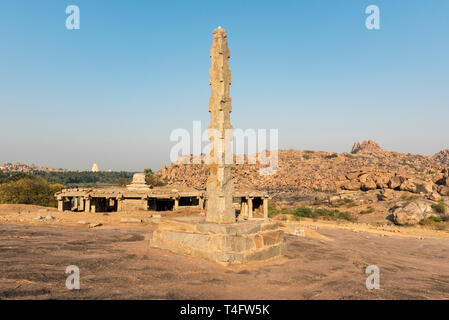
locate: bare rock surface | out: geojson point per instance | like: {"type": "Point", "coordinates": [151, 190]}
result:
{"type": "Point", "coordinates": [117, 263]}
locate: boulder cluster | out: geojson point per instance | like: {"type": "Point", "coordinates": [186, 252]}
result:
{"type": "Point", "coordinates": [363, 180]}
{"type": "Point", "coordinates": [434, 185]}
{"type": "Point", "coordinates": [442, 181]}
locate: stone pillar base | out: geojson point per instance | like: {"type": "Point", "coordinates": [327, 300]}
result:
{"type": "Point", "coordinates": [233, 243]}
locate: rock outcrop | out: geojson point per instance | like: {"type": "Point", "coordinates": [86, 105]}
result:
{"type": "Point", "coordinates": [306, 172]}
{"type": "Point", "coordinates": [366, 146]}
{"type": "Point", "coordinates": [442, 157]}
{"type": "Point", "coordinates": [413, 212]}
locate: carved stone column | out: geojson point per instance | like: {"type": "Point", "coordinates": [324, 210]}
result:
{"type": "Point", "coordinates": [219, 184]}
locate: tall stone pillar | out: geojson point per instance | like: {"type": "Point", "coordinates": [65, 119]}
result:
{"type": "Point", "coordinates": [219, 184]}
{"type": "Point", "coordinates": [222, 239]}
{"type": "Point", "coordinates": [176, 205]}
{"type": "Point", "coordinates": [144, 203]}
{"type": "Point", "coordinates": [265, 208]}
{"type": "Point", "coordinates": [87, 207]}
{"type": "Point", "coordinates": [244, 208]}
{"type": "Point", "coordinates": [250, 208]}
{"type": "Point", "coordinates": [61, 204]}
{"type": "Point", "coordinates": [75, 204]}
{"type": "Point", "coordinates": [200, 203]}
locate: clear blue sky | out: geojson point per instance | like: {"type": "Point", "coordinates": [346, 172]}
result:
{"type": "Point", "coordinates": [113, 91]}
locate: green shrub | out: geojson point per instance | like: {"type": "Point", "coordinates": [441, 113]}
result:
{"type": "Point", "coordinates": [410, 197]}
{"type": "Point", "coordinates": [344, 215]}
{"type": "Point", "coordinates": [323, 213]}
{"type": "Point", "coordinates": [370, 210]}
{"type": "Point", "coordinates": [335, 214]}
{"type": "Point", "coordinates": [29, 191]}
{"type": "Point", "coordinates": [439, 207]}
{"type": "Point", "coordinates": [123, 182]}
{"type": "Point", "coordinates": [435, 222]}
{"type": "Point", "coordinates": [347, 202]}
{"type": "Point", "coordinates": [304, 212]}
{"type": "Point", "coordinates": [153, 179]}
{"type": "Point", "coordinates": [435, 219]}
{"type": "Point", "coordinates": [272, 211]}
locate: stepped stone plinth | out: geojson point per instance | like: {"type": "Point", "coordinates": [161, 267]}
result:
{"type": "Point", "coordinates": [232, 243]}
{"type": "Point", "coordinates": [138, 183]}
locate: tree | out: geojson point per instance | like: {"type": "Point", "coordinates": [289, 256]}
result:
{"type": "Point", "coordinates": [29, 191]}
{"type": "Point", "coordinates": [153, 179]}
{"type": "Point", "coordinates": [123, 182]}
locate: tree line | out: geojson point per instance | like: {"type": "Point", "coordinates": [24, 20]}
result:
{"type": "Point", "coordinates": [39, 187]}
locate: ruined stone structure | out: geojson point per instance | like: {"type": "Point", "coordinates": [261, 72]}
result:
{"type": "Point", "coordinates": [221, 236]}
{"type": "Point", "coordinates": [248, 203]}
{"type": "Point", "coordinates": [122, 199]}
{"type": "Point", "coordinates": [138, 183]}
{"type": "Point", "coordinates": [219, 184]}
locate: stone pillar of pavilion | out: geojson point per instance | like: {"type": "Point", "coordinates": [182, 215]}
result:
{"type": "Point", "coordinates": [219, 184]}
{"type": "Point", "coordinates": [61, 204]}
{"type": "Point", "coordinates": [265, 207]}
{"type": "Point", "coordinates": [250, 207]}
{"type": "Point", "coordinates": [176, 204]}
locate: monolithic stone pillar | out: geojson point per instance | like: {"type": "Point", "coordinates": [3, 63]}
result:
{"type": "Point", "coordinates": [243, 208]}
{"type": "Point", "coordinates": [81, 206]}
{"type": "Point", "coordinates": [176, 205]}
{"type": "Point", "coordinates": [265, 208]}
{"type": "Point", "coordinates": [145, 204]}
{"type": "Point", "coordinates": [219, 184]}
{"type": "Point", "coordinates": [250, 208]}
{"type": "Point", "coordinates": [75, 204]}
{"type": "Point", "coordinates": [61, 204]}
{"type": "Point", "coordinates": [119, 204]}
{"type": "Point", "coordinates": [200, 203]}
{"type": "Point", "coordinates": [87, 208]}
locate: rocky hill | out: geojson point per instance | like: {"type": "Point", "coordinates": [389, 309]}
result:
{"type": "Point", "coordinates": [366, 146]}
{"type": "Point", "coordinates": [442, 157]}
{"type": "Point", "coordinates": [300, 172]}
{"type": "Point", "coordinates": [21, 167]}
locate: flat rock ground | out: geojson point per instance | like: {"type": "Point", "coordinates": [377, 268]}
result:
{"type": "Point", "coordinates": [117, 263]}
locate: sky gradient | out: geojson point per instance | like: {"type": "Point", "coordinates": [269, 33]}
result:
{"type": "Point", "coordinates": [113, 91]}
